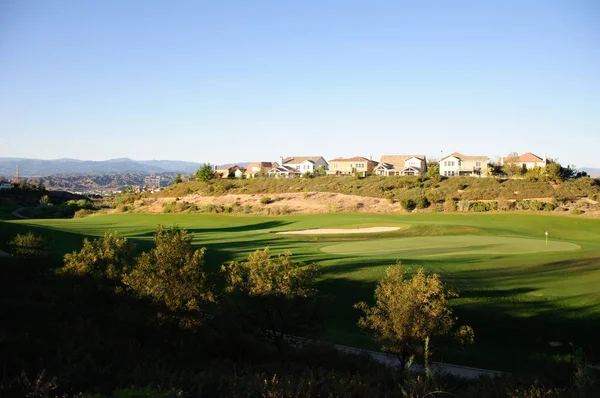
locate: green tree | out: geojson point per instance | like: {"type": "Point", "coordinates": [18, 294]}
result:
{"type": "Point", "coordinates": [107, 257]}
{"type": "Point", "coordinates": [205, 173]}
{"type": "Point", "coordinates": [523, 169]}
{"type": "Point", "coordinates": [433, 169]}
{"type": "Point", "coordinates": [553, 171]}
{"type": "Point", "coordinates": [171, 274]}
{"type": "Point", "coordinates": [408, 311]}
{"type": "Point", "coordinates": [273, 293]}
{"type": "Point", "coordinates": [178, 179]}
{"type": "Point", "coordinates": [29, 245]}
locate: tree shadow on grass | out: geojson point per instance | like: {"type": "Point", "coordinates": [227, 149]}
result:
{"type": "Point", "coordinates": [200, 232]}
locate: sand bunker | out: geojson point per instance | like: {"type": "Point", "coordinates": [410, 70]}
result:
{"type": "Point", "coordinates": [327, 231]}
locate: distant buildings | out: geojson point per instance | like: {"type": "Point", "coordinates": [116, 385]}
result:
{"type": "Point", "coordinates": [152, 182]}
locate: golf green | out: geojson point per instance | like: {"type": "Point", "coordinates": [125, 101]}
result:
{"type": "Point", "coordinates": [432, 246]}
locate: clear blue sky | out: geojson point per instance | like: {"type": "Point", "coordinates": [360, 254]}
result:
{"type": "Point", "coordinates": [225, 81]}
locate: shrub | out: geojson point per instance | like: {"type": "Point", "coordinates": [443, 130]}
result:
{"type": "Point", "coordinates": [422, 202]}
{"type": "Point", "coordinates": [29, 245]}
{"type": "Point", "coordinates": [83, 213]}
{"type": "Point", "coordinates": [577, 212]}
{"type": "Point", "coordinates": [483, 206]}
{"type": "Point", "coordinates": [463, 205]}
{"type": "Point", "coordinates": [266, 200]}
{"type": "Point", "coordinates": [408, 204]}
{"type": "Point", "coordinates": [450, 204]}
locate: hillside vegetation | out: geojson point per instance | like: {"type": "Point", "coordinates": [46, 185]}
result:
{"type": "Point", "coordinates": [396, 188]}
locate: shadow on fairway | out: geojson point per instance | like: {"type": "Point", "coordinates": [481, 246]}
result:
{"type": "Point", "coordinates": [199, 232]}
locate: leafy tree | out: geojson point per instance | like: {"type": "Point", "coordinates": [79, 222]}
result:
{"type": "Point", "coordinates": [205, 173]}
{"type": "Point", "coordinates": [273, 293]}
{"type": "Point", "coordinates": [511, 169]}
{"type": "Point", "coordinates": [523, 169]}
{"type": "Point", "coordinates": [408, 311]}
{"type": "Point", "coordinates": [172, 274]}
{"type": "Point", "coordinates": [178, 179]}
{"type": "Point", "coordinates": [107, 257]}
{"type": "Point", "coordinates": [433, 169]}
{"type": "Point", "coordinates": [29, 245]}
{"type": "Point", "coordinates": [553, 171]}
{"type": "Point", "coordinates": [320, 170]}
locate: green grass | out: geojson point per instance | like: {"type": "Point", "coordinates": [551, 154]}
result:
{"type": "Point", "coordinates": [444, 246]}
{"type": "Point", "coordinates": [517, 293]}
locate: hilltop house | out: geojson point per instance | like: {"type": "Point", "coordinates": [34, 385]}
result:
{"type": "Point", "coordinates": [401, 165]}
{"type": "Point", "coordinates": [230, 171]}
{"type": "Point", "coordinates": [259, 168]}
{"type": "Point", "coordinates": [295, 166]}
{"type": "Point", "coordinates": [357, 164]}
{"type": "Point", "coordinates": [528, 159]}
{"type": "Point", "coordinates": [304, 163]}
{"type": "Point", "coordinates": [458, 164]}
{"type": "Point", "coordinates": [5, 185]}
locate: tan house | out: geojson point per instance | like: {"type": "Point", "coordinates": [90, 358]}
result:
{"type": "Point", "coordinates": [259, 168]}
{"type": "Point", "coordinates": [304, 163]}
{"type": "Point", "coordinates": [528, 159]}
{"type": "Point", "coordinates": [230, 171]}
{"type": "Point", "coordinates": [401, 165]}
{"type": "Point", "coordinates": [458, 164]}
{"type": "Point", "coordinates": [354, 165]}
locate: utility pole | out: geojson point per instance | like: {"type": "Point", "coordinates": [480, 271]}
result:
{"type": "Point", "coordinates": [17, 174]}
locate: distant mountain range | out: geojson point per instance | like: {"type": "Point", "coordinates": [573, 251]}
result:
{"type": "Point", "coordinates": [39, 167]}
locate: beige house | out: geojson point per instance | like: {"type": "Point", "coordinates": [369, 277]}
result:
{"type": "Point", "coordinates": [353, 165]}
{"type": "Point", "coordinates": [458, 164]}
{"type": "Point", "coordinates": [528, 159]}
{"type": "Point", "coordinates": [230, 171]}
{"type": "Point", "coordinates": [402, 165]}
{"type": "Point", "coordinates": [259, 168]}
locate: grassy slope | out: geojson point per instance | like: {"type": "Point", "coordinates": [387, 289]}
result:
{"type": "Point", "coordinates": [516, 303]}
{"type": "Point", "coordinates": [397, 187]}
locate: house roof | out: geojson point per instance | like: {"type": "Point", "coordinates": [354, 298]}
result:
{"type": "Point", "coordinates": [530, 157]}
{"type": "Point", "coordinates": [284, 169]}
{"type": "Point", "coordinates": [397, 161]}
{"type": "Point", "coordinates": [230, 169]}
{"type": "Point", "coordinates": [261, 165]}
{"type": "Point", "coordinates": [464, 157]}
{"type": "Point", "coordinates": [300, 159]}
{"type": "Point", "coordinates": [354, 159]}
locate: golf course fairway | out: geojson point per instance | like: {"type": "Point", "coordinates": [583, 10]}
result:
{"type": "Point", "coordinates": [441, 246]}
{"type": "Point", "coordinates": [517, 293]}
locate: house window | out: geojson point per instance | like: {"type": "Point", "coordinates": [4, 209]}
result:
{"type": "Point", "coordinates": [477, 164]}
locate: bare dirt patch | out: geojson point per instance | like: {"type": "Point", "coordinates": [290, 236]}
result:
{"type": "Point", "coordinates": [290, 203]}
{"type": "Point", "coordinates": [328, 231]}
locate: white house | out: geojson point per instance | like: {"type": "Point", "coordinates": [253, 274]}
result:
{"type": "Point", "coordinates": [528, 159]}
{"type": "Point", "coordinates": [5, 185]}
{"type": "Point", "coordinates": [458, 164]}
{"type": "Point", "coordinates": [304, 163]}
{"type": "Point", "coordinates": [401, 165]}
